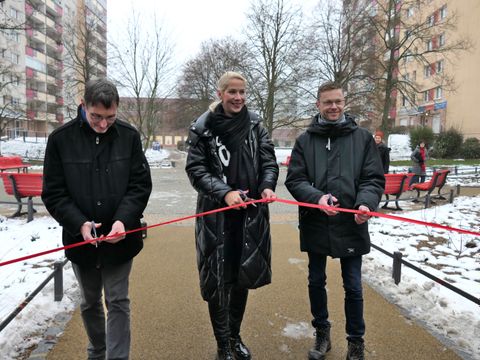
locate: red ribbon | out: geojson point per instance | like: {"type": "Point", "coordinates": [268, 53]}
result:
{"type": "Point", "coordinates": [290, 202]}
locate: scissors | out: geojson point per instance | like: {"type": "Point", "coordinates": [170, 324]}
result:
{"type": "Point", "coordinates": [244, 196]}
{"type": "Point", "coordinates": [94, 232]}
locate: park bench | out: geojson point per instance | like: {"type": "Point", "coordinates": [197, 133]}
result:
{"type": "Point", "coordinates": [438, 180]}
{"type": "Point", "coordinates": [13, 162]}
{"type": "Point", "coordinates": [21, 186]}
{"type": "Point", "coordinates": [395, 184]}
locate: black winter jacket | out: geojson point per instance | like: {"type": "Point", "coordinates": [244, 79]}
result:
{"type": "Point", "coordinates": [99, 177]}
{"type": "Point", "coordinates": [384, 152]}
{"type": "Point", "coordinates": [205, 172]}
{"type": "Point", "coordinates": [340, 159]}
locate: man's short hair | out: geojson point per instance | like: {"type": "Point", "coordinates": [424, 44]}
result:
{"type": "Point", "coordinates": [101, 91]}
{"type": "Point", "coordinates": [330, 85]}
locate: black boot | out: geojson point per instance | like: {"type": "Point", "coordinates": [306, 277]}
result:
{"type": "Point", "coordinates": [239, 349]}
{"type": "Point", "coordinates": [322, 344]}
{"type": "Point", "coordinates": [356, 350]}
{"type": "Point", "coordinates": [224, 352]}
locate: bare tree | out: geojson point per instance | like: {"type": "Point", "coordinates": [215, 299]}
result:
{"type": "Point", "coordinates": [338, 50]}
{"type": "Point", "coordinates": [405, 33]}
{"type": "Point", "coordinates": [274, 73]}
{"type": "Point", "coordinates": [11, 109]}
{"type": "Point", "coordinates": [12, 26]}
{"type": "Point", "coordinates": [198, 81]}
{"type": "Point", "coordinates": [143, 68]}
{"type": "Point", "coordinates": [85, 54]}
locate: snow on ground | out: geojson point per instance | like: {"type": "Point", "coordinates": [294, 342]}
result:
{"type": "Point", "coordinates": [18, 280]}
{"type": "Point", "coordinates": [400, 147]}
{"type": "Point", "coordinates": [445, 255]}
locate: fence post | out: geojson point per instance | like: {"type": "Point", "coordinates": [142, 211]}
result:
{"type": "Point", "coordinates": [458, 189]}
{"type": "Point", "coordinates": [30, 209]}
{"type": "Point", "coordinates": [427, 201]}
{"type": "Point", "coordinates": [451, 196]}
{"type": "Point", "coordinates": [456, 170]}
{"type": "Point", "coordinates": [397, 267]}
{"type": "Point", "coordinates": [58, 280]}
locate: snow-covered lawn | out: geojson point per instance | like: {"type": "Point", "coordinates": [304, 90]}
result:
{"type": "Point", "coordinates": [452, 257]}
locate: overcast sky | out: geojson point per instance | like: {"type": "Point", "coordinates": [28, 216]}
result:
{"type": "Point", "coordinates": [190, 22]}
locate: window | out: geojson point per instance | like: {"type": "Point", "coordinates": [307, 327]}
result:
{"type": "Point", "coordinates": [404, 100]}
{"type": "Point", "coordinates": [439, 66]}
{"type": "Point", "coordinates": [425, 96]}
{"type": "Point", "coordinates": [438, 93]}
{"type": "Point", "coordinates": [443, 12]}
{"type": "Point", "coordinates": [14, 13]}
{"type": "Point", "coordinates": [15, 80]}
{"type": "Point", "coordinates": [429, 45]}
{"type": "Point", "coordinates": [431, 20]}
{"type": "Point", "coordinates": [409, 12]}
{"type": "Point", "coordinates": [15, 58]}
{"type": "Point", "coordinates": [441, 40]}
{"type": "Point", "coordinates": [427, 71]}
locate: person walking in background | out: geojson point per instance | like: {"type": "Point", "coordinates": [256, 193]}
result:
{"type": "Point", "coordinates": [230, 160]}
{"type": "Point", "coordinates": [335, 163]}
{"type": "Point", "coordinates": [419, 158]}
{"type": "Point", "coordinates": [383, 150]}
{"type": "Point", "coordinates": [97, 182]}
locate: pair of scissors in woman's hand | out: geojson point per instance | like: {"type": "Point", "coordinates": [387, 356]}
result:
{"type": "Point", "coordinates": [245, 198]}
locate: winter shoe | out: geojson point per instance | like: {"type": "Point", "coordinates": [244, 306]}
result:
{"type": "Point", "coordinates": [240, 351]}
{"type": "Point", "coordinates": [322, 344]}
{"type": "Point", "coordinates": [356, 350]}
{"type": "Point", "coordinates": [224, 352]}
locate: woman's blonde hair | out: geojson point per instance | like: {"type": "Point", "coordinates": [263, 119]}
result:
{"type": "Point", "coordinates": [223, 82]}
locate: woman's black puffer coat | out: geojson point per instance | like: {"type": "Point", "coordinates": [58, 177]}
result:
{"type": "Point", "coordinates": [205, 172]}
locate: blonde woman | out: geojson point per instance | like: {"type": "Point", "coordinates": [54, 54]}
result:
{"type": "Point", "coordinates": [231, 159]}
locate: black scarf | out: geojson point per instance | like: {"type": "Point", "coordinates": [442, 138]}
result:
{"type": "Point", "coordinates": [232, 130]}
{"type": "Point", "coordinates": [233, 133]}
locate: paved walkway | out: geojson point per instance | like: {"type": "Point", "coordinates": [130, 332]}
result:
{"type": "Point", "coordinates": [170, 320]}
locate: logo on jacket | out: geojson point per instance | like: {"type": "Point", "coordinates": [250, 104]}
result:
{"type": "Point", "coordinates": [351, 250]}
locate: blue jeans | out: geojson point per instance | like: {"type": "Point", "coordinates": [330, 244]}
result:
{"type": "Point", "coordinates": [352, 284]}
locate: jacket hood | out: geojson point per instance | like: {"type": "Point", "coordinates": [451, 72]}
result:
{"type": "Point", "coordinates": [333, 129]}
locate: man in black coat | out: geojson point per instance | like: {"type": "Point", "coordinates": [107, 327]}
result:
{"type": "Point", "coordinates": [335, 163]}
{"type": "Point", "coordinates": [97, 182]}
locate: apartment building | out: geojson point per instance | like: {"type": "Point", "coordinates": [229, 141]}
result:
{"type": "Point", "coordinates": [447, 81]}
{"type": "Point", "coordinates": [437, 86]}
{"type": "Point", "coordinates": [35, 63]}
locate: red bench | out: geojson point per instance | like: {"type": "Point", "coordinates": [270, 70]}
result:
{"type": "Point", "coordinates": [395, 184]}
{"type": "Point", "coordinates": [23, 186]}
{"type": "Point", "coordinates": [12, 162]}
{"type": "Point", "coordinates": [437, 180]}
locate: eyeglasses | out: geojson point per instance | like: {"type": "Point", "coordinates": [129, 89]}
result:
{"type": "Point", "coordinates": [97, 118]}
{"type": "Point", "coordinates": [330, 103]}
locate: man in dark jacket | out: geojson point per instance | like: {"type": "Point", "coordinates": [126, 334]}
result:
{"type": "Point", "coordinates": [231, 159]}
{"type": "Point", "coordinates": [335, 163]}
{"type": "Point", "coordinates": [97, 182]}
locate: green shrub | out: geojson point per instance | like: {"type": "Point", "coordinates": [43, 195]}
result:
{"type": "Point", "coordinates": [447, 144]}
{"type": "Point", "coordinates": [470, 149]}
{"type": "Point", "coordinates": [419, 134]}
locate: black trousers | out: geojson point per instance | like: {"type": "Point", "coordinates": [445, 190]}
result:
{"type": "Point", "coordinates": [227, 317]}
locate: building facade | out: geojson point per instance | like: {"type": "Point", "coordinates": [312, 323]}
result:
{"type": "Point", "coordinates": [36, 65]}
{"type": "Point", "coordinates": [447, 80]}
{"type": "Point", "coordinates": [431, 47]}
